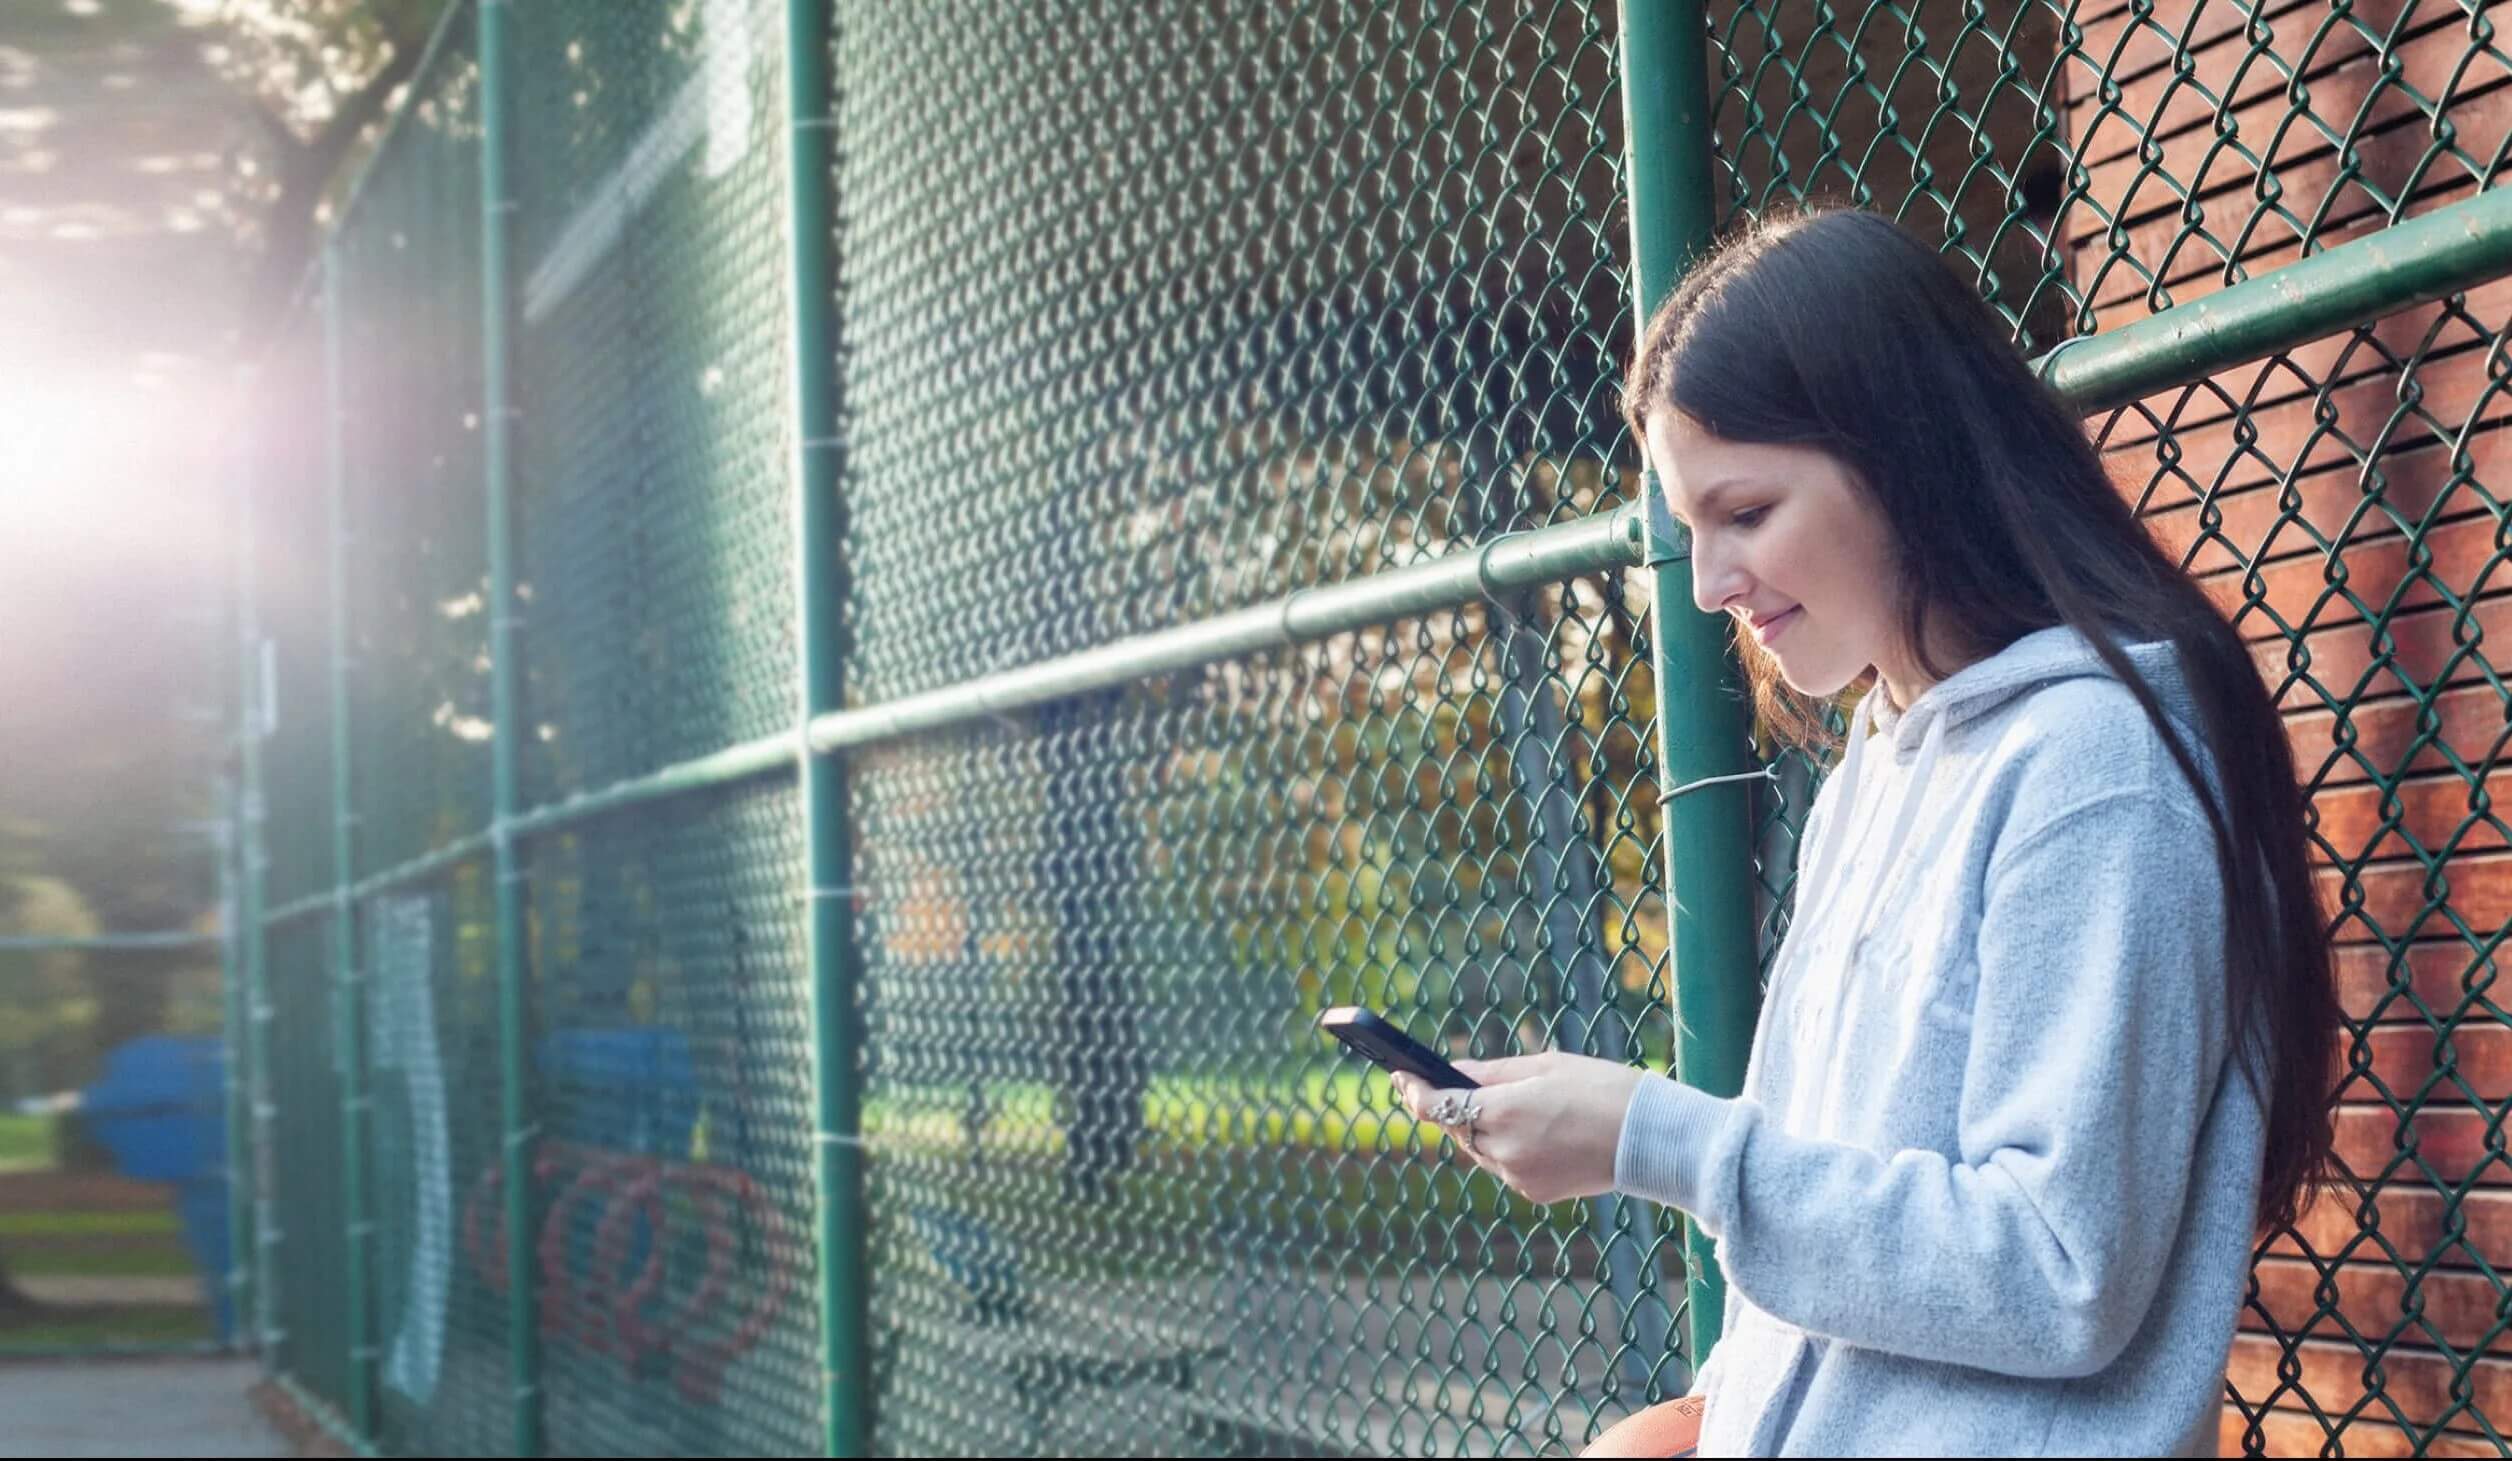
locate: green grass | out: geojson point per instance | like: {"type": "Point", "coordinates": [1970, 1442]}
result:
{"type": "Point", "coordinates": [25, 1143]}
{"type": "Point", "coordinates": [132, 1223]}
{"type": "Point", "coordinates": [1319, 1161]}
{"type": "Point", "coordinates": [103, 1328]}
{"type": "Point", "coordinates": [144, 1257]}
{"type": "Point", "coordinates": [1348, 1108]}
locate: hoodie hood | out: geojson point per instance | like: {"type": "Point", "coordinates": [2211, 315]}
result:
{"type": "Point", "coordinates": [1889, 809]}
{"type": "Point", "coordinates": [2043, 657]}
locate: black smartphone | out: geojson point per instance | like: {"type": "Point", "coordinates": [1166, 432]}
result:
{"type": "Point", "coordinates": [1390, 1048]}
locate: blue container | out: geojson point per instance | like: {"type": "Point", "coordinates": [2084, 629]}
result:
{"type": "Point", "coordinates": [160, 1110]}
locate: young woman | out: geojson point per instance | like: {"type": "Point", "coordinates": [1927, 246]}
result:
{"type": "Point", "coordinates": [2050, 1038]}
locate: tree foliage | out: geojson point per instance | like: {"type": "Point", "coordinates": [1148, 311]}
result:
{"type": "Point", "coordinates": [320, 78]}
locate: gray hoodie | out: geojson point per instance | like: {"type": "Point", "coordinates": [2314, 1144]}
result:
{"type": "Point", "coordinates": [1989, 1189]}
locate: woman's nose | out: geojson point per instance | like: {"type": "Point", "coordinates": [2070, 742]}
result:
{"type": "Point", "coordinates": [1717, 579]}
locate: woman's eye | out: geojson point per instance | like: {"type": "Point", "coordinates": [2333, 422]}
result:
{"type": "Point", "coordinates": [1749, 517]}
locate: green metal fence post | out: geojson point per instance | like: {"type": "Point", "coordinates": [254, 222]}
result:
{"type": "Point", "coordinates": [837, 1165]}
{"type": "Point", "coordinates": [348, 1008]}
{"type": "Point", "coordinates": [497, 206]}
{"type": "Point", "coordinates": [229, 803]}
{"type": "Point", "coordinates": [237, 1010]}
{"type": "Point", "coordinates": [232, 849]}
{"type": "Point", "coordinates": [1701, 730]}
{"type": "Point", "coordinates": [252, 871]}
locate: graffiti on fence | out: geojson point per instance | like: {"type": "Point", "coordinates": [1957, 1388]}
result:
{"type": "Point", "coordinates": [664, 1264]}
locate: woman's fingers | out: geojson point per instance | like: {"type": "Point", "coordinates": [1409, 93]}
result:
{"type": "Point", "coordinates": [1418, 1098]}
{"type": "Point", "coordinates": [1507, 1068]}
{"type": "Point", "coordinates": [1456, 1144]}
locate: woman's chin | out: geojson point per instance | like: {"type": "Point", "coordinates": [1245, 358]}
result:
{"type": "Point", "coordinates": [1815, 682]}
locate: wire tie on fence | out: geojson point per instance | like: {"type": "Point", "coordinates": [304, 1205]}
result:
{"type": "Point", "coordinates": [505, 205]}
{"type": "Point", "coordinates": [822, 443]}
{"type": "Point", "coordinates": [361, 1354]}
{"type": "Point", "coordinates": [1767, 773]}
{"type": "Point", "coordinates": [522, 1136]}
{"type": "Point", "coordinates": [815, 124]}
{"type": "Point", "coordinates": [837, 891]}
{"type": "Point", "coordinates": [837, 1138]}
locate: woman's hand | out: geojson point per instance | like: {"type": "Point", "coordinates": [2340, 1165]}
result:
{"type": "Point", "coordinates": [1671, 1428]}
{"type": "Point", "coordinates": [1549, 1123]}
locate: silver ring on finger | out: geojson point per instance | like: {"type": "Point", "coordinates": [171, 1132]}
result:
{"type": "Point", "coordinates": [1461, 1114]}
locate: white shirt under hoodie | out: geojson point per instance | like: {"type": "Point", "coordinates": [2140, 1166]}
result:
{"type": "Point", "coordinates": [1990, 1187]}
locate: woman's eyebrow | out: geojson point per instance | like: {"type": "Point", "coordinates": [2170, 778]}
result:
{"type": "Point", "coordinates": [1711, 497]}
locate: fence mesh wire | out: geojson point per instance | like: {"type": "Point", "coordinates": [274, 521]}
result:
{"type": "Point", "coordinates": [1165, 310]}
{"type": "Point", "coordinates": [1193, 308]}
{"type": "Point", "coordinates": [414, 514]}
{"type": "Point", "coordinates": [670, 1000]}
{"type": "Point", "coordinates": [657, 569]}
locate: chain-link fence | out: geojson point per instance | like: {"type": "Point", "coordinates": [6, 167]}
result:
{"type": "Point", "coordinates": [855, 620]}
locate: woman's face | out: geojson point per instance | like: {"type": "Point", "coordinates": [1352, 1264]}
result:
{"type": "Point", "coordinates": [1785, 541]}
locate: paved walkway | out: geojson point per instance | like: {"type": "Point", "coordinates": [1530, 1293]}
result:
{"type": "Point", "coordinates": [132, 1408]}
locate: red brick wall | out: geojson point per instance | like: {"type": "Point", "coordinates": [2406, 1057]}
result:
{"type": "Point", "coordinates": [2284, 451]}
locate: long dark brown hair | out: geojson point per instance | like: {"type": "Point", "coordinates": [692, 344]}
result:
{"type": "Point", "coordinates": [1836, 330]}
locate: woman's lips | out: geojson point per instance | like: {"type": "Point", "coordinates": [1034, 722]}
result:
{"type": "Point", "coordinates": [1771, 629]}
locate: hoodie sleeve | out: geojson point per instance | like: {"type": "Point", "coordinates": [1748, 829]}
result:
{"type": "Point", "coordinates": [2096, 1042]}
